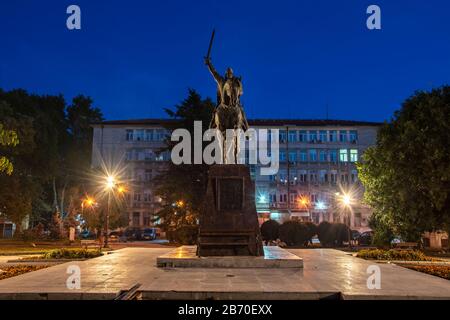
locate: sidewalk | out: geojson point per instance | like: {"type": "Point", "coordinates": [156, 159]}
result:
{"type": "Point", "coordinates": [326, 273]}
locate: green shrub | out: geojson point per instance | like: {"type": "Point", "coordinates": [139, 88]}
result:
{"type": "Point", "coordinates": [72, 254]}
{"type": "Point", "coordinates": [325, 232]}
{"type": "Point", "coordinates": [270, 230]}
{"type": "Point", "coordinates": [392, 254]}
{"type": "Point", "coordinates": [295, 233]}
{"type": "Point", "coordinates": [332, 234]}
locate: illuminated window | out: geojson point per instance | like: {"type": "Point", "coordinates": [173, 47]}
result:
{"type": "Point", "coordinates": [343, 157]}
{"type": "Point", "coordinates": [353, 155]}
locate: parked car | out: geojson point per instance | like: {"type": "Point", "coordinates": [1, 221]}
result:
{"type": "Point", "coordinates": [115, 235]}
{"type": "Point", "coordinates": [149, 234]}
{"type": "Point", "coordinates": [365, 238]}
{"type": "Point", "coordinates": [86, 234]}
{"type": "Point", "coordinates": [355, 234]}
{"type": "Point", "coordinates": [132, 234]}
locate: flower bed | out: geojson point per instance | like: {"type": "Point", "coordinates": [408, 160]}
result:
{"type": "Point", "coordinates": [72, 254]}
{"type": "Point", "coordinates": [403, 255]}
{"type": "Point", "coordinates": [434, 270]}
{"type": "Point", "coordinates": [8, 272]}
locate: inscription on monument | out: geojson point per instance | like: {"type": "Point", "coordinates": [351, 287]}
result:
{"type": "Point", "coordinates": [231, 192]}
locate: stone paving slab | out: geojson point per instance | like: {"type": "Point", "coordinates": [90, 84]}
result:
{"type": "Point", "coordinates": [327, 273]}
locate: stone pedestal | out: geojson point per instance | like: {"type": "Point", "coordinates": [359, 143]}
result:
{"type": "Point", "coordinates": [228, 220]}
{"type": "Point", "coordinates": [186, 257]}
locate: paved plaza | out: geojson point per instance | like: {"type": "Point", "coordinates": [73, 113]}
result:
{"type": "Point", "coordinates": [327, 273]}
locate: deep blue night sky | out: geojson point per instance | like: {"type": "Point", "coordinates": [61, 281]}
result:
{"type": "Point", "coordinates": [136, 57]}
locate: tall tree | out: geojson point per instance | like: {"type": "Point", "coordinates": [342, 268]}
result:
{"type": "Point", "coordinates": [182, 187]}
{"type": "Point", "coordinates": [407, 173]}
{"type": "Point", "coordinates": [53, 155]}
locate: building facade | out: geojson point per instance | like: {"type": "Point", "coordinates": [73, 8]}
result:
{"type": "Point", "coordinates": [317, 168]}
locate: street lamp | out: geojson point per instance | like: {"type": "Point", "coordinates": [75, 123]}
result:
{"type": "Point", "coordinates": [346, 201]}
{"type": "Point", "coordinates": [110, 184]}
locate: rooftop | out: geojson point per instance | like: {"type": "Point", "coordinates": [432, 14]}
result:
{"type": "Point", "coordinates": [252, 122]}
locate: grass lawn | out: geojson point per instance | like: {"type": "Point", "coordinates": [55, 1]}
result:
{"type": "Point", "coordinates": [8, 272]}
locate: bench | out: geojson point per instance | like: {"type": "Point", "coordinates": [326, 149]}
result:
{"type": "Point", "coordinates": [406, 245]}
{"type": "Point", "coordinates": [89, 243]}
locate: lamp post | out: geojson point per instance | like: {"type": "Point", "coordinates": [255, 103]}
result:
{"type": "Point", "coordinates": [111, 185]}
{"type": "Point", "coordinates": [347, 201]}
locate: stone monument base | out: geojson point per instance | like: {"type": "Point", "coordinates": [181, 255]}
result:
{"type": "Point", "coordinates": [186, 257]}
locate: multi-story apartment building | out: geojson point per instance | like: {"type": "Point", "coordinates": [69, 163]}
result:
{"type": "Point", "coordinates": [317, 167]}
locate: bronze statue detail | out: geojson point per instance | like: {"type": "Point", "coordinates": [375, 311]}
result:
{"type": "Point", "coordinates": [229, 113]}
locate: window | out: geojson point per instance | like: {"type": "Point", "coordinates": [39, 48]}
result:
{"type": "Point", "coordinates": [129, 155]}
{"type": "Point", "coordinates": [139, 135]}
{"type": "Point", "coordinates": [273, 198]}
{"type": "Point", "coordinates": [137, 197]}
{"type": "Point", "coordinates": [129, 136]}
{"type": "Point", "coordinates": [343, 157]}
{"type": "Point", "coordinates": [332, 136]}
{"type": "Point", "coordinates": [147, 196]}
{"type": "Point", "coordinates": [292, 136]}
{"type": "Point", "coordinates": [303, 156]}
{"type": "Point", "coordinates": [322, 176]}
{"type": "Point", "coordinates": [160, 135]}
{"type": "Point", "coordinates": [282, 155]}
{"type": "Point", "coordinates": [292, 198]}
{"type": "Point", "coordinates": [357, 219]}
{"type": "Point", "coordinates": [333, 155]}
{"type": "Point", "coordinates": [313, 198]}
{"type": "Point", "coordinates": [322, 135]}
{"type": "Point", "coordinates": [312, 135]}
{"type": "Point", "coordinates": [148, 155]}
{"type": "Point", "coordinates": [302, 136]}
{"type": "Point", "coordinates": [292, 156]}
{"type": "Point", "coordinates": [282, 136]}
{"type": "Point", "coordinates": [148, 134]}
{"type": "Point", "coordinates": [323, 155]}
{"type": "Point", "coordinates": [303, 177]}
{"type": "Point", "coordinates": [147, 220]}
{"type": "Point", "coordinates": [136, 219]}
{"type": "Point", "coordinates": [333, 178]}
{"type": "Point", "coordinates": [353, 155]}
{"type": "Point", "coordinates": [312, 154]}
{"type": "Point", "coordinates": [148, 175]}
{"type": "Point", "coordinates": [353, 135]}
{"type": "Point", "coordinates": [312, 176]}
{"type": "Point", "coordinates": [343, 135]}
